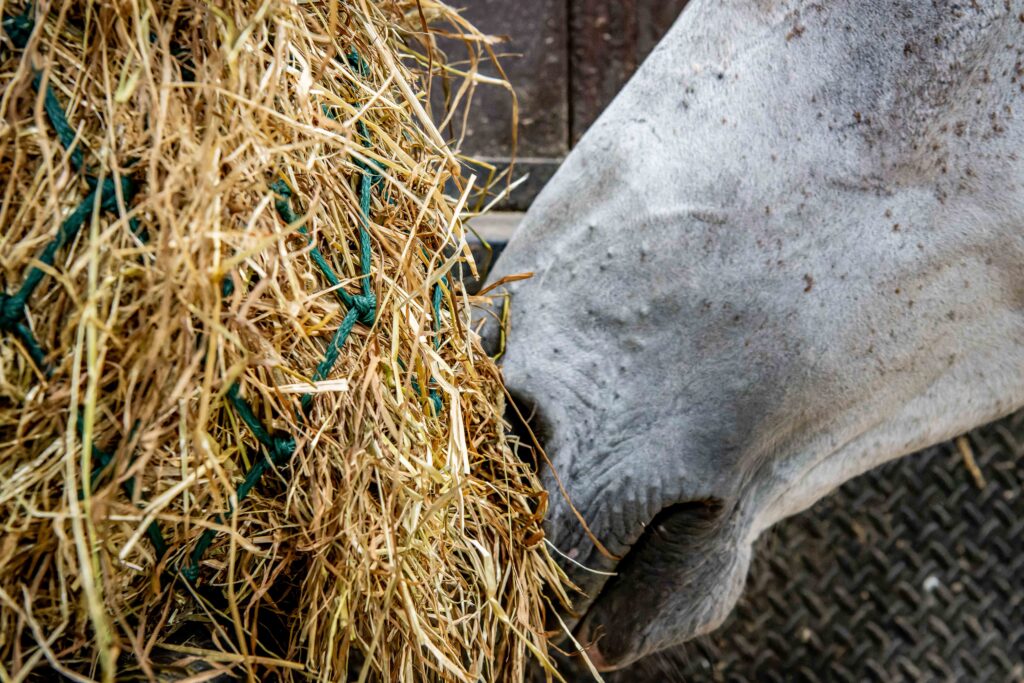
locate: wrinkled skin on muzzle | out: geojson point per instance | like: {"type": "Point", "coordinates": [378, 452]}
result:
{"type": "Point", "coordinates": [790, 250]}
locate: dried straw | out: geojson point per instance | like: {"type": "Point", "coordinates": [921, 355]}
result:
{"type": "Point", "coordinates": [400, 538]}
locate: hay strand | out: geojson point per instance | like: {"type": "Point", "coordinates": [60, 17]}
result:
{"type": "Point", "coordinates": [244, 425]}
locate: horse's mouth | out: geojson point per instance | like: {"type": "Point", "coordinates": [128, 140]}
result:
{"type": "Point", "coordinates": [596, 627]}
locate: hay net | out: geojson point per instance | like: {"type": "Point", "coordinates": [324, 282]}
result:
{"type": "Point", "coordinates": [244, 425]}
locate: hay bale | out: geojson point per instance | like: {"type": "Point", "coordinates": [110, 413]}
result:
{"type": "Point", "coordinates": [244, 425]}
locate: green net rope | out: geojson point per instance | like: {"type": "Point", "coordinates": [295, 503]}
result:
{"type": "Point", "coordinates": [102, 191]}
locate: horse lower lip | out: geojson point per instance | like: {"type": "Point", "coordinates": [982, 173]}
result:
{"type": "Point", "coordinates": [590, 648]}
{"type": "Point", "coordinates": [596, 658]}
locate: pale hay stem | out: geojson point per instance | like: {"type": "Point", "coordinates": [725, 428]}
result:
{"type": "Point", "coordinates": [326, 386]}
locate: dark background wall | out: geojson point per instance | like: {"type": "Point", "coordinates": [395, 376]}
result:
{"type": "Point", "coordinates": [566, 59]}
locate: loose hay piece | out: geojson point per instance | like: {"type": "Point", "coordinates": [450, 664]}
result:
{"type": "Point", "coordinates": [171, 357]}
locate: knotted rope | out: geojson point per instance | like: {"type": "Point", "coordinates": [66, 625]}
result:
{"type": "Point", "coordinates": [279, 447]}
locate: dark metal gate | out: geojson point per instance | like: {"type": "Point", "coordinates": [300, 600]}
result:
{"type": "Point", "coordinates": [567, 59]}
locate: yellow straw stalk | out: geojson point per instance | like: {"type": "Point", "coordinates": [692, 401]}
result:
{"type": "Point", "coordinates": [244, 424]}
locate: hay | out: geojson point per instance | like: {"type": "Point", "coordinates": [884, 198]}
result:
{"type": "Point", "coordinates": [172, 357]}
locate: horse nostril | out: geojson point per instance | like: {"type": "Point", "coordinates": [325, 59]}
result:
{"type": "Point", "coordinates": [528, 427]}
{"type": "Point", "coordinates": [487, 323]}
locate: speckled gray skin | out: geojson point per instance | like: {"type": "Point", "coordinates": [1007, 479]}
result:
{"type": "Point", "coordinates": [790, 250]}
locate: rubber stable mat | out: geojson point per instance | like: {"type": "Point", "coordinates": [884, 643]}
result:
{"type": "Point", "coordinates": [911, 572]}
